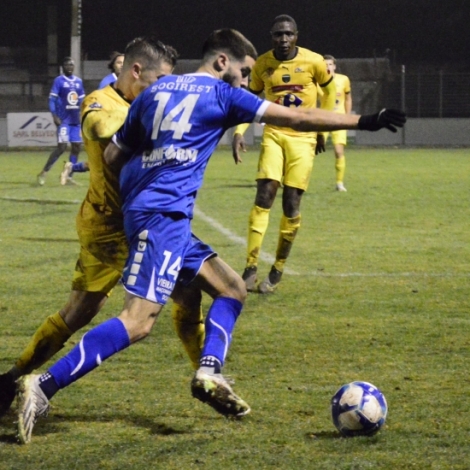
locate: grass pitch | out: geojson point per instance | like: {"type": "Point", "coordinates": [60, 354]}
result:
{"type": "Point", "coordinates": [377, 290]}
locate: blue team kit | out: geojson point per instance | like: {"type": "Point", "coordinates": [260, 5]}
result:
{"type": "Point", "coordinates": [170, 133]}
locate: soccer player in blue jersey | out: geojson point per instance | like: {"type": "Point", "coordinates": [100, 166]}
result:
{"type": "Point", "coordinates": [164, 146]}
{"type": "Point", "coordinates": [65, 98]}
{"type": "Point", "coordinates": [115, 65]}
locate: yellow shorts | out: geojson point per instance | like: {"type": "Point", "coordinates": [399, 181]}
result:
{"type": "Point", "coordinates": [101, 260]}
{"type": "Point", "coordinates": [337, 137]}
{"type": "Point", "coordinates": [287, 158]}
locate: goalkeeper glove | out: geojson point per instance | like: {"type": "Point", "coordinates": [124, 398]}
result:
{"type": "Point", "coordinates": [389, 118]}
{"type": "Point", "coordinates": [320, 147]}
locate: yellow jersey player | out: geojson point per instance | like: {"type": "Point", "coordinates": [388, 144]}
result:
{"type": "Point", "coordinates": [343, 105]}
{"type": "Point", "coordinates": [103, 245]}
{"type": "Point", "coordinates": [288, 75]}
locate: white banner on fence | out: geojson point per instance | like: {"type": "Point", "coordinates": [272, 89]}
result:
{"type": "Point", "coordinates": [31, 130]}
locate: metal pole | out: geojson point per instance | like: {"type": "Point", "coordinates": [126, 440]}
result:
{"type": "Point", "coordinates": [52, 49]}
{"type": "Point", "coordinates": [403, 100]}
{"type": "Point", "coordinates": [75, 40]}
{"type": "Point", "coordinates": [418, 110]}
{"type": "Point", "coordinates": [441, 80]}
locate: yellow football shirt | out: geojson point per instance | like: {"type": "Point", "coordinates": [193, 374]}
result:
{"type": "Point", "coordinates": [290, 82]}
{"type": "Point", "coordinates": [101, 209]}
{"type": "Point", "coordinates": [343, 87]}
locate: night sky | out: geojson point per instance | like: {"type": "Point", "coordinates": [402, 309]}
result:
{"type": "Point", "coordinates": [434, 32]}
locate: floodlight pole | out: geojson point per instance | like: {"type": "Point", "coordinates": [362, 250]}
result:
{"type": "Point", "coordinates": [75, 40]}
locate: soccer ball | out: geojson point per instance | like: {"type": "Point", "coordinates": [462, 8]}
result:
{"type": "Point", "coordinates": [358, 409]}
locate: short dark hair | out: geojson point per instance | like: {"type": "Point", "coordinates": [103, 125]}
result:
{"type": "Point", "coordinates": [284, 19]}
{"type": "Point", "coordinates": [112, 59]}
{"type": "Point", "coordinates": [329, 57]}
{"type": "Point", "coordinates": [230, 41]}
{"type": "Point", "coordinates": [67, 59]}
{"type": "Point", "coordinates": [150, 52]}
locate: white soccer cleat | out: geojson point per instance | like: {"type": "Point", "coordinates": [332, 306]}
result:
{"type": "Point", "coordinates": [215, 390]}
{"type": "Point", "coordinates": [41, 178]}
{"type": "Point", "coordinates": [66, 172]}
{"type": "Point", "coordinates": [32, 404]}
{"type": "Point", "coordinates": [340, 187]}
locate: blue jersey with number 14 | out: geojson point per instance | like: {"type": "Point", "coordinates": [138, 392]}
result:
{"type": "Point", "coordinates": [171, 130]}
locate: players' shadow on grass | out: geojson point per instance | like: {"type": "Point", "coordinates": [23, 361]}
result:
{"type": "Point", "coordinates": [52, 240]}
{"type": "Point", "coordinates": [57, 423]}
{"type": "Point", "coordinates": [137, 420]}
{"type": "Point", "coordinates": [314, 436]}
{"type": "Point", "coordinates": [42, 202]}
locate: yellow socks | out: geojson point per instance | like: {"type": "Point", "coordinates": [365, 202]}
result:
{"type": "Point", "coordinates": [189, 325]}
{"type": "Point", "coordinates": [340, 166]}
{"type": "Point", "coordinates": [257, 226]}
{"type": "Point", "coordinates": [48, 339]}
{"type": "Point", "coordinates": [287, 232]}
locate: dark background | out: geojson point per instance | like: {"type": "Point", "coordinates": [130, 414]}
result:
{"type": "Point", "coordinates": [429, 33]}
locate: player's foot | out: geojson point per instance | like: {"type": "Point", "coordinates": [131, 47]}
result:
{"type": "Point", "coordinates": [269, 285]}
{"type": "Point", "coordinates": [32, 404]}
{"type": "Point", "coordinates": [250, 277]}
{"type": "Point", "coordinates": [7, 392]}
{"type": "Point", "coordinates": [215, 390]}
{"type": "Point", "coordinates": [340, 187]}
{"type": "Point", "coordinates": [71, 181]}
{"type": "Point", "coordinates": [66, 172]}
{"type": "Point", "coordinates": [41, 178]}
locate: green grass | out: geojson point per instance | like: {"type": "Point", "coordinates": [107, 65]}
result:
{"type": "Point", "coordinates": [378, 292]}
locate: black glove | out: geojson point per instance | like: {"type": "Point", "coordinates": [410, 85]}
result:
{"type": "Point", "coordinates": [389, 118]}
{"type": "Point", "coordinates": [320, 147]}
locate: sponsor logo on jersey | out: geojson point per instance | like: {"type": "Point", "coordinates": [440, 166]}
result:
{"type": "Point", "coordinates": [185, 79]}
{"type": "Point", "coordinates": [289, 100]}
{"type": "Point", "coordinates": [286, 78]}
{"type": "Point", "coordinates": [95, 106]}
{"type": "Point", "coordinates": [72, 98]}
{"type": "Point", "coordinates": [160, 156]}
{"type": "Point", "coordinates": [293, 88]}
{"type": "Point", "coordinates": [298, 70]}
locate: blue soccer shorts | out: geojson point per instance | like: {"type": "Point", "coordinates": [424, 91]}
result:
{"type": "Point", "coordinates": [162, 251]}
{"type": "Point", "coordinates": [69, 133]}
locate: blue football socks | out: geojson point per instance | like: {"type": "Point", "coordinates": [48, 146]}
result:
{"type": "Point", "coordinates": [220, 322]}
{"type": "Point", "coordinates": [96, 345]}
{"type": "Point", "coordinates": [79, 167]}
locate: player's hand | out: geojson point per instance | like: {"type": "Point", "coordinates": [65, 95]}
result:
{"type": "Point", "coordinates": [57, 120]}
{"type": "Point", "coordinates": [388, 118]}
{"type": "Point", "coordinates": [320, 147]}
{"type": "Point", "coordinates": [238, 144]}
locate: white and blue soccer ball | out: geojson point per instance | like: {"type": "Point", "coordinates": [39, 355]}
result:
{"type": "Point", "coordinates": [358, 409]}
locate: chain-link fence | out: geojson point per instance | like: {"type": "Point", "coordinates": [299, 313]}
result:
{"type": "Point", "coordinates": [432, 95]}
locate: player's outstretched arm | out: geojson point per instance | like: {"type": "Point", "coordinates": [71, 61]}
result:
{"type": "Point", "coordinates": [388, 118]}
{"type": "Point", "coordinates": [308, 120]}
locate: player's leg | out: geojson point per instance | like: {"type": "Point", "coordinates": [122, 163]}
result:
{"type": "Point", "coordinates": [98, 344]}
{"type": "Point", "coordinates": [157, 245]}
{"type": "Point", "coordinates": [188, 320]}
{"type": "Point", "coordinates": [54, 155]}
{"type": "Point", "coordinates": [97, 271]}
{"type": "Point", "coordinates": [269, 177]}
{"type": "Point", "coordinates": [228, 291]}
{"type": "Point", "coordinates": [339, 142]}
{"type": "Point", "coordinates": [299, 156]}
{"type": "Point", "coordinates": [73, 165]}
